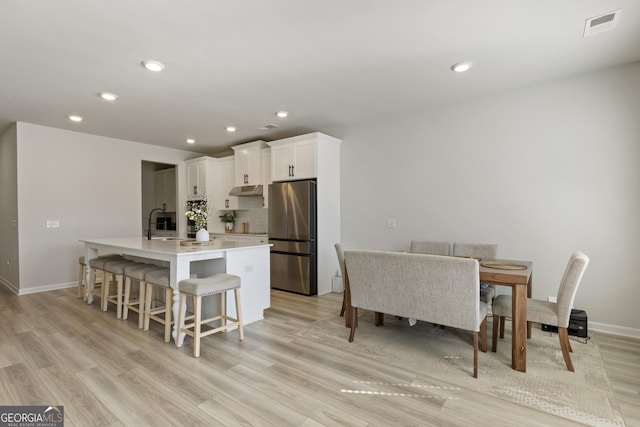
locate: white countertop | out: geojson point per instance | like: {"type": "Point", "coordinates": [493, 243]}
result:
{"type": "Point", "coordinates": [172, 247]}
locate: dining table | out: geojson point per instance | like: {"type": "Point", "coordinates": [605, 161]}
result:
{"type": "Point", "coordinates": [518, 275]}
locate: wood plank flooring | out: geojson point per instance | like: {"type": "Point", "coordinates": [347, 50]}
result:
{"type": "Point", "coordinates": [55, 349]}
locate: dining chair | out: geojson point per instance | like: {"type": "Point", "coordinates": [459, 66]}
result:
{"type": "Point", "coordinates": [427, 247]}
{"type": "Point", "coordinates": [340, 248]}
{"type": "Point", "coordinates": [550, 313]}
{"type": "Point", "coordinates": [479, 250]}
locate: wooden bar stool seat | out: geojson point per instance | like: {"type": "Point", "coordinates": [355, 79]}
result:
{"type": "Point", "coordinates": [114, 274]}
{"type": "Point", "coordinates": [136, 272]}
{"type": "Point", "coordinates": [159, 278]}
{"type": "Point", "coordinates": [198, 288]}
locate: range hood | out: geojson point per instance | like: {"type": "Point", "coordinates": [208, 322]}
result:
{"type": "Point", "coordinates": [246, 190]}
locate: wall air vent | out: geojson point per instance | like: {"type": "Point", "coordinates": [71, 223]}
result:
{"type": "Point", "coordinates": [268, 127]}
{"type": "Point", "coordinates": [599, 24]}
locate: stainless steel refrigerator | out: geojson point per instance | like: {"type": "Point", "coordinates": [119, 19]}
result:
{"type": "Point", "coordinates": [292, 231]}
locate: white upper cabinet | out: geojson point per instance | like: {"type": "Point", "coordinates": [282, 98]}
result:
{"type": "Point", "coordinates": [266, 176]}
{"type": "Point", "coordinates": [165, 183]}
{"type": "Point", "coordinates": [248, 163]}
{"type": "Point", "coordinates": [294, 158]}
{"type": "Point", "coordinates": [225, 183]}
{"type": "Point", "coordinates": [197, 177]}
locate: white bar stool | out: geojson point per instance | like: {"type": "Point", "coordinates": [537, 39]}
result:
{"type": "Point", "coordinates": [159, 278]}
{"type": "Point", "coordinates": [96, 265]}
{"type": "Point", "coordinates": [198, 288]}
{"type": "Point", "coordinates": [114, 273]}
{"type": "Point", "coordinates": [136, 272]}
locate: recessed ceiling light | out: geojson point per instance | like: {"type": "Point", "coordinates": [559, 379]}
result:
{"type": "Point", "coordinates": [108, 96]}
{"type": "Point", "coordinates": [231, 129]}
{"type": "Point", "coordinates": [282, 114]}
{"type": "Point", "coordinates": [191, 141]}
{"type": "Point", "coordinates": [75, 118]}
{"type": "Point", "coordinates": [461, 67]}
{"type": "Point", "coordinates": [153, 65]}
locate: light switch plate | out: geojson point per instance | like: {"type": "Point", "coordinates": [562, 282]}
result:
{"type": "Point", "coordinates": [53, 223]}
{"type": "Point", "coordinates": [391, 223]}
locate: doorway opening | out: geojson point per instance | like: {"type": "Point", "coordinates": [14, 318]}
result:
{"type": "Point", "coordinates": [159, 199]}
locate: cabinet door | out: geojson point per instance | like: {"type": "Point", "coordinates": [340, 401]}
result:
{"type": "Point", "coordinates": [196, 179]}
{"type": "Point", "coordinates": [242, 167]}
{"type": "Point", "coordinates": [266, 177]}
{"type": "Point", "coordinates": [248, 165]}
{"type": "Point", "coordinates": [192, 179]}
{"type": "Point", "coordinates": [226, 180]}
{"type": "Point", "coordinates": [304, 159]}
{"type": "Point", "coordinates": [281, 163]}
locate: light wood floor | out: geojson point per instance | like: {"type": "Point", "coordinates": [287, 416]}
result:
{"type": "Point", "coordinates": [54, 349]}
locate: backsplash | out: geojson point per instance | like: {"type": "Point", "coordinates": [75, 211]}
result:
{"type": "Point", "coordinates": [258, 220]}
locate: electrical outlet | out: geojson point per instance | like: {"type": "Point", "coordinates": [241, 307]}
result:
{"type": "Point", "coordinates": [391, 223]}
{"type": "Point", "coordinates": [53, 223]}
{"type": "Point", "coordinates": [552, 299]}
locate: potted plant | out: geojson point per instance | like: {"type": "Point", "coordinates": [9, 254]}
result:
{"type": "Point", "coordinates": [229, 220]}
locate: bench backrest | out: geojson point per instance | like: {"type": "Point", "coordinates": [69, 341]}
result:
{"type": "Point", "coordinates": [432, 288]}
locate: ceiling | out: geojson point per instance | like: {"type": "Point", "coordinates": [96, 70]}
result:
{"type": "Point", "coordinates": [329, 63]}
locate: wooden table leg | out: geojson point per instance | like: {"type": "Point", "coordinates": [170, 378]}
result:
{"type": "Point", "coordinates": [519, 328]}
{"type": "Point", "coordinates": [529, 287]}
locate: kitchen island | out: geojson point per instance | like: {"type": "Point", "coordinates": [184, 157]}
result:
{"type": "Point", "coordinates": [249, 260]}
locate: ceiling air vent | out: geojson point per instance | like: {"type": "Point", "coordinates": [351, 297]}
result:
{"type": "Point", "coordinates": [601, 23]}
{"type": "Point", "coordinates": [268, 127]}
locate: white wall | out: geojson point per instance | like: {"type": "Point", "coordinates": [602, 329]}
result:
{"type": "Point", "coordinates": [91, 184]}
{"type": "Point", "coordinates": [542, 171]}
{"type": "Point", "coordinates": [9, 260]}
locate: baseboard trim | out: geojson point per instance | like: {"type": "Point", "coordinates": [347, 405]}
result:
{"type": "Point", "coordinates": [9, 285]}
{"type": "Point", "coordinates": [47, 288]}
{"type": "Point", "coordinates": [614, 329]}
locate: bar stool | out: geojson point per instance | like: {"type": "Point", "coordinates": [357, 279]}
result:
{"type": "Point", "coordinates": [136, 272]}
{"type": "Point", "coordinates": [159, 278]}
{"type": "Point", "coordinates": [96, 265]}
{"type": "Point", "coordinates": [198, 288]}
{"type": "Point", "coordinates": [82, 278]}
{"type": "Point", "coordinates": [114, 273]}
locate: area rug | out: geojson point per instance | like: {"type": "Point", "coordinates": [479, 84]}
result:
{"type": "Point", "coordinates": [584, 396]}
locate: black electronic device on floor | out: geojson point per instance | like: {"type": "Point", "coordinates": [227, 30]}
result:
{"type": "Point", "coordinates": [577, 324]}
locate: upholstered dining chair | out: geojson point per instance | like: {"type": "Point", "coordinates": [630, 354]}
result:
{"type": "Point", "coordinates": [479, 250]}
{"type": "Point", "coordinates": [550, 313]}
{"type": "Point", "coordinates": [427, 247]}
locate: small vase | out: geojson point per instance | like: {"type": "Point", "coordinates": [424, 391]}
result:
{"type": "Point", "coordinates": [228, 227]}
{"type": "Point", "coordinates": [202, 235]}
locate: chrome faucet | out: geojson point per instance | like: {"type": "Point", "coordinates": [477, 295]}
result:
{"type": "Point", "coordinates": [163, 209]}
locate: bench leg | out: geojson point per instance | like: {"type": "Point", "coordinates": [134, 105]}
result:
{"type": "Point", "coordinates": [494, 335]}
{"type": "Point", "coordinates": [475, 354]}
{"type": "Point", "coordinates": [379, 319]}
